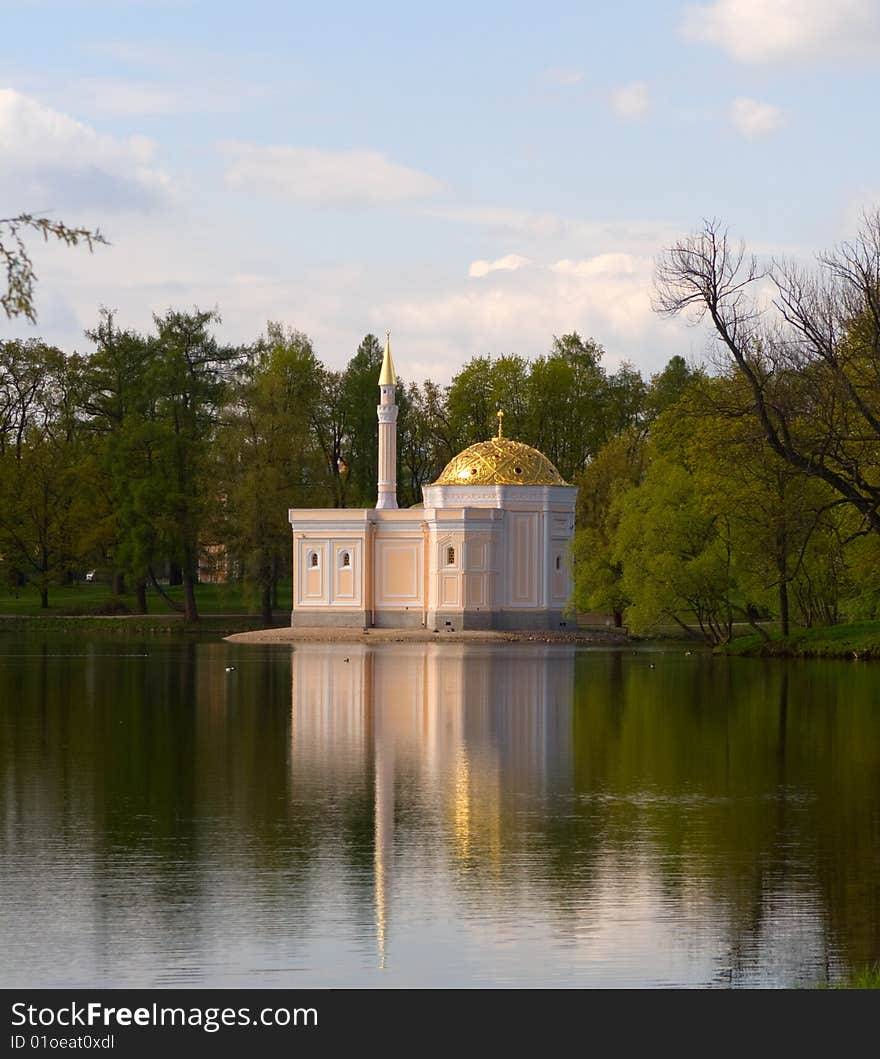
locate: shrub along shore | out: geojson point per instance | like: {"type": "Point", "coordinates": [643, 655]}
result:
{"type": "Point", "coordinates": [857, 641]}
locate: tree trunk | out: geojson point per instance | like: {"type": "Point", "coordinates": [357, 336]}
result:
{"type": "Point", "coordinates": [44, 570]}
{"type": "Point", "coordinates": [783, 606]}
{"type": "Point", "coordinates": [618, 619]}
{"type": "Point", "coordinates": [266, 604]}
{"type": "Point", "coordinates": [759, 629]}
{"type": "Point", "coordinates": [275, 579]}
{"type": "Point", "coordinates": [118, 586]}
{"type": "Point", "coordinates": [171, 603]}
{"type": "Point", "coordinates": [175, 575]}
{"type": "Point", "coordinates": [190, 566]}
{"type": "Point", "coordinates": [140, 596]}
{"type": "Point", "coordinates": [692, 633]}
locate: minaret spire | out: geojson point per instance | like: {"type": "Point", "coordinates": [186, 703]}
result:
{"type": "Point", "coordinates": [387, 415]}
{"type": "Point", "coordinates": [387, 376]}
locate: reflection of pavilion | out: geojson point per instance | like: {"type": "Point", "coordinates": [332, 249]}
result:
{"type": "Point", "coordinates": [470, 726]}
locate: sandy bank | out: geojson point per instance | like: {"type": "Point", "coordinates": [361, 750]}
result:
{"type": "Point", "coordinates": [288, 635]}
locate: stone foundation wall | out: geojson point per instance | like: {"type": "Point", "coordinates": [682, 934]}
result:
{"type": "Point", "coordinates": [514, 621]}
{"type": "Point", "coordinates": [327, 618]}
{"type": "Point", "coordinates": [498, 619]}
{"type": "Point", "coordinates": [399, 619]}
{"type": "Point", "coordinates": [526, 620]}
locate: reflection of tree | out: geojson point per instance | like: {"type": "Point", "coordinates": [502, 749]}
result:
{"type": "Point", "coordinates": [166, 782]}
{"type": "Point", "coordinates": [756, 804]}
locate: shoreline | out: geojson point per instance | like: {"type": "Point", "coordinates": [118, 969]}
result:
{"type": "Point", "coordinates": [235, 628]}
{"type": "Point", "coordinates": [288, 635]}
{"type": "Point", "coordinates": [858, 641]}
{"type": "Point", "coordinates": [126, 624]}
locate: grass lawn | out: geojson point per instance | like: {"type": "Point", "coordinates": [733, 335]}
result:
{"type": "Point", "coordinates": [857, 640]}
{"type": "Point", "coordinates": [90, 598]}
{"type": "Point", "coordinates": [868, 978]}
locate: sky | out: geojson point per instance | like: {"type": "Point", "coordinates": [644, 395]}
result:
{"type": "Point", "coordinates": [478, 177]}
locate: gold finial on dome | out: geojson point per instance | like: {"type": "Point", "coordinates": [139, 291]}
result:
{"type": "Point", "coordinates": [387, 376]}
{"type": "Point", "coordinates": [500, 414]}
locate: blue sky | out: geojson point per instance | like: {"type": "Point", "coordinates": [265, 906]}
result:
{"type": "Point", "coordinates": [477, 177]}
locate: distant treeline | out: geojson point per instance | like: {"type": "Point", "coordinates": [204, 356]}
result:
{"type": "Point", "coordinates": [145, 453]}
{"type": "Point", "coordinates": [744, 494]}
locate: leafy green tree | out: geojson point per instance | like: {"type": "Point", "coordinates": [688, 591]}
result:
{"type": "Point", "coordinates": [622, 402]}
{"type": "Point", "coordinates": [268, 458]}
{"type": "Point", "coordinates": [669, 385]}
{"type": "Point", "coordinates": [421, 444]}
{"type": "Point", "coordinates": [25, 399]}
{"type": "Point", "coordinates": [773, 512]}
{"type": "Point", "coordinates": [330, 425]}
{"type": "Point", "coordinates": [598, 572]}
{"type": "Point", "coordinates": [190, 373]}
{"type": "Point", "coordinates": [472, 402]}
{"type": "Point", "coordinates": [118, 400]}
{"type": "Point", "coordinates": [675, 555]}
{"type": "Point", "coordinates": [861, 589]}
{"type": "Point", "coordinates": [360, 395]}
{"type": "Point", "coordinates": [566, 391]}
{"type": "Point", "coordinates": [43, 508]}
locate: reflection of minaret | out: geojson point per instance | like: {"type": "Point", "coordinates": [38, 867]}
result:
{"type": "Point", "coordinates": [387, 414]}
{"type": "Point", "coordinates": [383, 794]}
{"type": "Point", "coordinates": [379, 758]}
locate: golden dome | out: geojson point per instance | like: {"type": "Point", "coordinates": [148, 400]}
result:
{"type": "Point", "coordinates": [500, 461]}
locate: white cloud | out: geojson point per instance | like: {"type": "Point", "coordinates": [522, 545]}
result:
{"type": "Point", "coordinates": [142, 53]}
{"type": "Point", "coordinates": [612, 264]}
{"type": "Point", "coordinates": [119, 96]}
{"type": "Point", "coordinates": [772, 30]}
{"type": "Point", "coordinates": [607, 296]}
{"type": "Point", "coordinates": [753, 118]}
{"type": "Point", "coordinates": [324, 177]}
{"type": "Point", "coordinates": [508, 263]}
{"type": "Point", "coordinates": [631, 101]}
{"type": "Point", "coordinates": [51, 161]}
{"type": "Point", "coordinates": [126, 97]}
{"type": "Point", "coordinates": [564, 75]}
{"type": "Point", "coordinates": [502, 221]}
{"type": "Point", "coordinates": [612, 289]}
{"type": "Point", "coordinates": [557, 234]}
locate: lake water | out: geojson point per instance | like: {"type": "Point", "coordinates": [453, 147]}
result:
{"type": "Point", "coordinates": [433, 815]}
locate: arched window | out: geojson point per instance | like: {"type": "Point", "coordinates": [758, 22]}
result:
{"type": "Point", "coordinates": [313, 560]}
{"type": "Point", "coordinates": [345, 559]}
{"type": "Point", "coordinates": [450, 556]}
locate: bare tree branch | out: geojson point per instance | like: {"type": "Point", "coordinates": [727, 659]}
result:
{"type": "Point", "coordinates": [810, 356]}
{"type": "Point", "coordinates": [18, 298]}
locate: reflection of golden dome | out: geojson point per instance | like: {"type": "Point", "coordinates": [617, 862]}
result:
{"type": "Point", "coordinates": [500, 461]}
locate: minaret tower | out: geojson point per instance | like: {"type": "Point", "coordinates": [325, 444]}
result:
{"type": "Point", "coordinates": [387, 414]}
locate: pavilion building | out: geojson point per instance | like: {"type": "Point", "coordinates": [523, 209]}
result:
{"type": "Point", "coordinates": [488, 548]}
